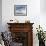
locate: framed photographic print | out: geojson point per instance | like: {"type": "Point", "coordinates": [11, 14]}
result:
{"type": "Point", "coordinates": [20, 10]}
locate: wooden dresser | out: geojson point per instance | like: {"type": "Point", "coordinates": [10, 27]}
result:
{"type": "Point", "coordinates": [22, 33]}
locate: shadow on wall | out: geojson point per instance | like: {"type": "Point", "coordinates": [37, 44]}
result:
{"type": "Point", "coordinates": [0, 15]}
{"type": "Point", "coordinates": [43, 6]}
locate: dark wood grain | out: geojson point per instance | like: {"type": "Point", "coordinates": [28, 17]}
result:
{"type": "Point", "coordinates": [22, 27]}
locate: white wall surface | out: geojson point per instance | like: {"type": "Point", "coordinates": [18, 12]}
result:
{"type": "Point", "coordinates": [43, 6]}
{"type": "Point", "coordinates": [33, 10]}
{"type": "Point", "coordinates": [0, 15]}
{"type": "Point", "coordinates": [43, 14]}
{"type": "Point", "coordinates": [33, 14]}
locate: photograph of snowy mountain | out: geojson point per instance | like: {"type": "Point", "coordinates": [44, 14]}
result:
{"type": "Point", "coordinates": [20, 10]}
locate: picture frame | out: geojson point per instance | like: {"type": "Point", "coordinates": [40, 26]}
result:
{"type": "Point", "coordinates": [20, 10]}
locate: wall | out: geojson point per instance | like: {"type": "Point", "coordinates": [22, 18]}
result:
{"type": "Point", "coordinates": [34, 14]}
{"type": "Point", "coordinates": [0, 15]}
{"type": "Point", "coordinates": [33, 10]}
{"type": "Point", "coordinates": [43, 14]}
{"type": "Point", "coordinates": [43, 6]}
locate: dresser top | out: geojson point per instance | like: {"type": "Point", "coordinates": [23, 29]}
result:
{"type": "Point", "coordinates": [19, 23]}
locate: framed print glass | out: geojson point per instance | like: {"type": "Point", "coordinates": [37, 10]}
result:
{"type": "Point", "coordinates": [20, 10]}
